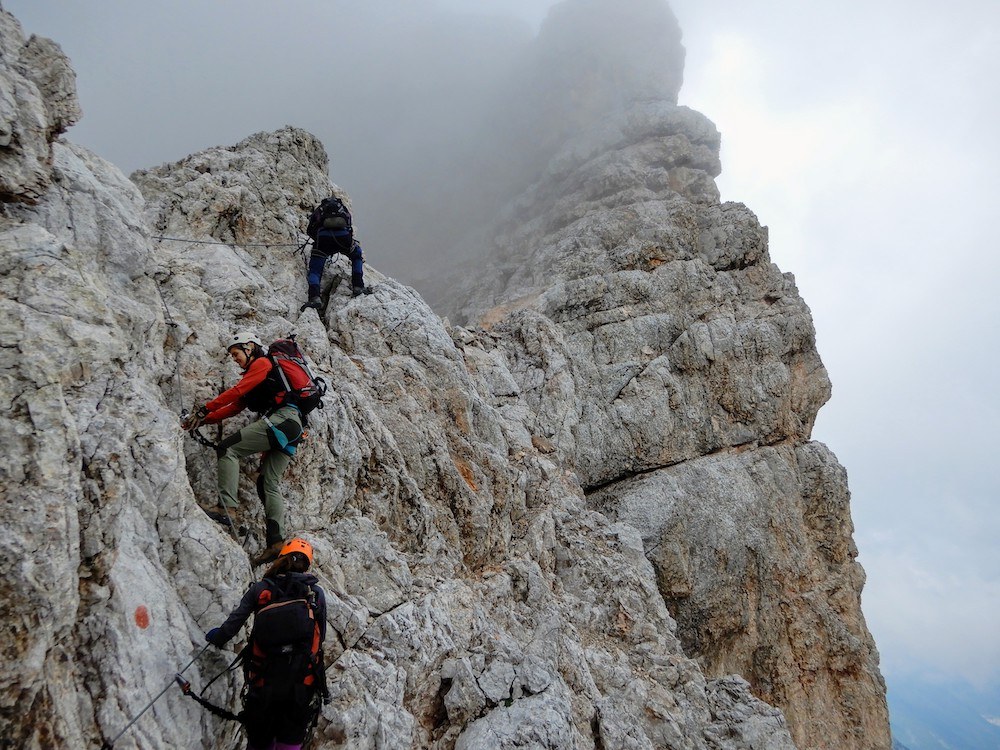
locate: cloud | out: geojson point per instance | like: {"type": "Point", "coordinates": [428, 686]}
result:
{"type": "Point", "coordinates": [937, 620]}
{"type": "Point", "coordinates": [777, 157]}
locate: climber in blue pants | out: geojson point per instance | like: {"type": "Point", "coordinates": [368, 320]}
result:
{"type": "Point", "coordinates": [332, 232]}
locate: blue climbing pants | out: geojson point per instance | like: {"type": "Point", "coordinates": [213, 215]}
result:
{"type": "Point", "coordinates": [326, 246]}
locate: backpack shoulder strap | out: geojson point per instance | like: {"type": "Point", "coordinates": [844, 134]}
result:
{"type": "Point", "coordinates": [280, 373]}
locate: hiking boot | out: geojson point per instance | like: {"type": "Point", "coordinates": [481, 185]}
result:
{"type": "Point", "coordinates": [357, 291]}
{"type": "Point", "coordinates": [218, 514]}
{"type": "Point", "coordinates": [314, 300]}
{"type": "Point", "coordinates": [270, 554]}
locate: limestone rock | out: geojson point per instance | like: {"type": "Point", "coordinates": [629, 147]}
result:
{"type": "Point", "coordinates": [37, 103]}
{"type": "Point", "coordinates": [48, 68]}
{"type": "Point", "coordinates": [435, 548]}
{"type": "Point", "coordinates": [753, 554]}
{"type": "Point", "coordinates": [634, 323]}
{"type": "Point", "coordinates": [740, 720]}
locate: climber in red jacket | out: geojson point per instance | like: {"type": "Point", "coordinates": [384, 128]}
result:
{"type": "Point", "coordinates": [275, 434]}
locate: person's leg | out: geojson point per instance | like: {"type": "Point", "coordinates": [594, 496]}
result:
{"type": "Point", "coordinates": [251, 439]}
{"type": "Point", "coordinates": [317, 261]}
{"type": "Point", "coordinates": [357, 270]}
{"type": "Point", "coordinates": [292, 725]}
{"type": "Point", "coordinates": [271, 469]}
{"type": "Point", "coordinates": [259, 723]}
{"type": "Point", "coordinates": [289, 423]}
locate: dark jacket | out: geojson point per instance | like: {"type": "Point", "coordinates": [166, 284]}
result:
{"type": "Point", "coordinates": [315, 228]}
{"type": "Point", "coordinates": [249, 604]}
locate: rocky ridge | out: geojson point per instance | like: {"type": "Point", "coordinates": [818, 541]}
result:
{"type": "Point", "coordinates": [497, 577]}
{"type": "Point", "coordinates": [674, 367]}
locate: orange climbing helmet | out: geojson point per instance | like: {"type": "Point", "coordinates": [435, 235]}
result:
{"type": "Point", "coordinates": [298, 545]}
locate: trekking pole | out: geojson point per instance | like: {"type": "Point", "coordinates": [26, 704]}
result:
{"type": "Point", "coordinates": [109, 744]}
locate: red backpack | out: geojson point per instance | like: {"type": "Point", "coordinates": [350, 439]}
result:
{"type": "Point", "coordinates": [302, 388]}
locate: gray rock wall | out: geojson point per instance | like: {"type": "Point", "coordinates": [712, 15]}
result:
{"type": "Point", "coordinates": [475, 498]}
{"type": "Point", "coordinates": [658, 353]}
{"type": "Point", "coordinates": [37, 103]}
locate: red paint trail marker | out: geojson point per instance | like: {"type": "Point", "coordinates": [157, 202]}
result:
{"type": "Point", "coordinates": [142, 616]}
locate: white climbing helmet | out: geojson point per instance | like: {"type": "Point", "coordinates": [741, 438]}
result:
{"type": "Point", "coordinates": [242, 338]}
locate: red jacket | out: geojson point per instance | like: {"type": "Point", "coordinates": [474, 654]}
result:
{"type": "Point", "coordinates": [230, 402]}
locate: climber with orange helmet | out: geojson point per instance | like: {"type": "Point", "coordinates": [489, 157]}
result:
{"type": "Point", "coordinates": [283, 661]}
{"type": "Point", "coordinates": [275, 435]}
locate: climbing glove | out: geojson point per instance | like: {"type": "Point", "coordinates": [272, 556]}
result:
{"type": "Point", "coordinates": [215, 637]}
{"type": "Point", "coordinates": [194, 421]}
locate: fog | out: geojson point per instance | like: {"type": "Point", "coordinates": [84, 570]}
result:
{"type": "Point", "coordinates": [432, 113]}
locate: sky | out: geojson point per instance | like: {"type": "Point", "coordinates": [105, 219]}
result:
{"type": "Point", "coordinates": [864, 135]}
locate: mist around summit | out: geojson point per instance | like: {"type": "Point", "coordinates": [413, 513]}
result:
{"type": "Point", "coordinates": [432, 115]}
{"type": "Point", "coordinates": [464, 110]}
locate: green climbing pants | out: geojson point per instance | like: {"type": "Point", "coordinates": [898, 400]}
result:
{"type": "Point", "coordinates": [260, 437]}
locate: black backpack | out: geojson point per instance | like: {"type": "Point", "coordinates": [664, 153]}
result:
{"type": "Point", "coordinates": [296, 379]}
{"type": "Point", "coordinates": [286, 620]}
{"type": "Point", "coordinates": [284, 657]}
{"type": "Point", "coordinates": [330, 214]}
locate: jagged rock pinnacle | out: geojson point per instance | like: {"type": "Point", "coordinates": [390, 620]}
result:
{"type": "Point", "coordinates": [591, 518]}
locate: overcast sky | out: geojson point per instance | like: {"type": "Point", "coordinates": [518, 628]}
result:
{"type": "Point", "coordinates": [864, 135]}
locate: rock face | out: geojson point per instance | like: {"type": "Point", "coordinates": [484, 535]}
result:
{"type": "Point", "coordinates": [503, 518]}
{"type": "Point", "coordinates": [667, 361]}
{"type": "Point", "coordinates": [37, 103]}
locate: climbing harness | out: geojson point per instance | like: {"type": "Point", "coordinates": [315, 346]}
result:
{"type": "Point", "coordinates": [285, 445]}
{"type": "Point", "coordinates": [109, 744]}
